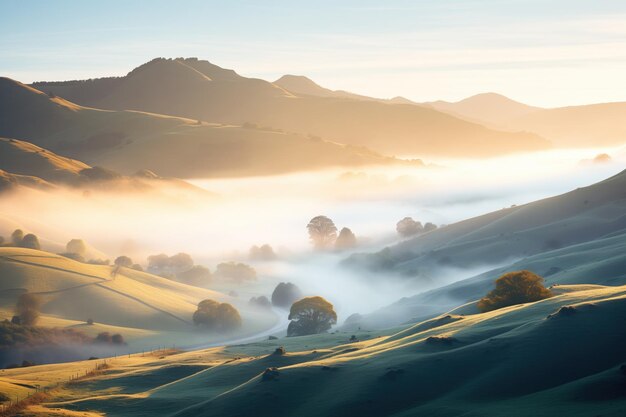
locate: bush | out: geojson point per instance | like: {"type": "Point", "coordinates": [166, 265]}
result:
{"type": "Point", "coordinates": [513, 288]}
{"type": "Point", "coordinates": [234, 271]}
{"type": "Point", "coordinates": [408, 227]}
{"type": "Point", "coordinates": [311, 315]}
{"type": "Point", "coordinates": [285, 294]}
{"type": "Point", "coordinates": [221, 317]}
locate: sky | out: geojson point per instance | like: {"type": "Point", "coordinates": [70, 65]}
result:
{"type": "Point", "coordinates": [542, 52]}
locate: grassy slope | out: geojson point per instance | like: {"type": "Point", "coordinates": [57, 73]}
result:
{"type": "Point", "coordinates": [530, 359]}
{"type": "Point", "coordinates": [127, 141]}
{"type": "Point", "coordinates": [575, 217]}
{"type": "Point", "coordinates": [145, 304]}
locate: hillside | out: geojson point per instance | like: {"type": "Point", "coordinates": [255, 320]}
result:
{"type": "Point", "coordinates": [581, 126]}
{"type": "Point", "coordinates": [200, 90]}
{"type": "Point", "coordinates": [128, 141]}
{"type": "Point", "coordinates": [154, 309]}
{"type": "Point", "coordinates": [453, 365]}
{"type": "Point", "coordinates": [489, 108]}
{"type": "Point", "coordinates": [578, 216]}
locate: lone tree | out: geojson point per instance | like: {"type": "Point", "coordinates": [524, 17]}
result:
{"type": "Point", "coordinates": [27, 309]}
{"type": "Point", "coordinates": [124, 261]}
{"type": "Point", "coordinates": [345, 240]}
{"type": "Point", "coordinates": [429, 227]}
{"type": "Point", "coordinates": [30, 241]}
{"type": "Point", "coordinates": [17, 236]}
{"type": "Point", "coordinates": [513, 288]}
{"type": "Point", "coordinates": [311, 315]}
{"type": "Point", "coordinates": [408, 227]}
{"type": "Point", "coordinates": [261, 302]}
{"type": "Point", "coordinates": [221, 317]}
{"type": "Point", "coordinates": [197, 275]}
{"type": "Point", "coordinates": [76, 246]}
{"type": "Point", "coordinates": [322, 232]}
{"type": "Point", "coordinates": [285, 294]}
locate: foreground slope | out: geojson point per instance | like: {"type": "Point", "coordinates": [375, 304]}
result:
{"type": "Point", "coordinates": [128, 141]}
{"type": "Point", "coordinates": [200, 90]}
{"type": "Point", "coordinates": [564, 355]}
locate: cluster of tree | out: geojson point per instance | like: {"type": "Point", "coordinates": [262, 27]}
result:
{"type": "Point", "coordinates": [14, 335]}
{"type": "Point", "coordinates": [220, 317]}
{"type": "Point", "coordinates": [235, 271]}
{"type": "Point", "coordinates": [408, 227]}
{"type": "Point", "coordinates": [21, 240]}
{"type": "Point", "coordinates": [311, 315]}
{"type": "Point", "coordinates": [106, 338]}
{"type": "Point", "coordinates": [262, 253]}
{"type": "Point", "coordinates": [179, 267]}
{"type": "Point", "coordinates": [323, 235]}
{"type": "Point", "coordinates": [261, 302]}
{"type": "Point", "coordinates": [513, 288]}
{"type": "Point", "coordinates": [285, 294]}
{"type": "Point", "coordinates": [27, 310]}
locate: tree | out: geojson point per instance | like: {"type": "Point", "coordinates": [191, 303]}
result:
{"type": "Point", "coordinates": [30, 241]}
{"type": "Point", "coordinates": [221, 317]}
{"type": "Point", "coordinates": [408, 227]}
{"type": "Point", "coordinates": [262, 253]}
{"type": "Point", "coordinates": [429, 227]}
{"type": "Point", "coordinates": [311, 315]}
{"type": "Point", "coordinates": [513, 288]}
{"type": "Point", "coordinates": [322, 232]}
{"type": "Point", "coordinates": [17, 236]}
{"type": "Point", "coordinates": [261, 302]}
{"type": "Point", "coordinates": [285, 294]}
{"type": "Point", "coordinates": [345, 240]}
{"type": "Point", "coordinates": [27, 309]}
{"type": "Point", "coordinates": [197, 275]}
{"type": "Point", "coordinates": [76, 246]}
{"type": "Point", "coordinates": [124, 261]}
{"type": "Point", "coordinates": [234, 271]}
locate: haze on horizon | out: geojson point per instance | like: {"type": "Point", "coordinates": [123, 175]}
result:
{"type": "Point", "coordinates": [557, 54]}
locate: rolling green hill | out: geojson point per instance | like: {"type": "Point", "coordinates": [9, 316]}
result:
{"type": "Point", "coordinates": [559, 356]}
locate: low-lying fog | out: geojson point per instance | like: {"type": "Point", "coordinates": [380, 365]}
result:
{"type": "Point", "coordinates": [276, 210]}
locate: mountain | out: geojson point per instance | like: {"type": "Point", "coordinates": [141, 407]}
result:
{"type": "Point", "coordinates": [128, 141]}
{"type": "Point", "coordinates": [200, 90]}
{"type": "Point", "coordinates": [573, 126]}
{"type": "Point", "coordinates": [490, 108]}
{"type": "Point", "coordinates": [580, 126]}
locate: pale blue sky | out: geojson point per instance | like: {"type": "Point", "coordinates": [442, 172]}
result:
{"type": "Point", "coordinates": [544, 52]}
